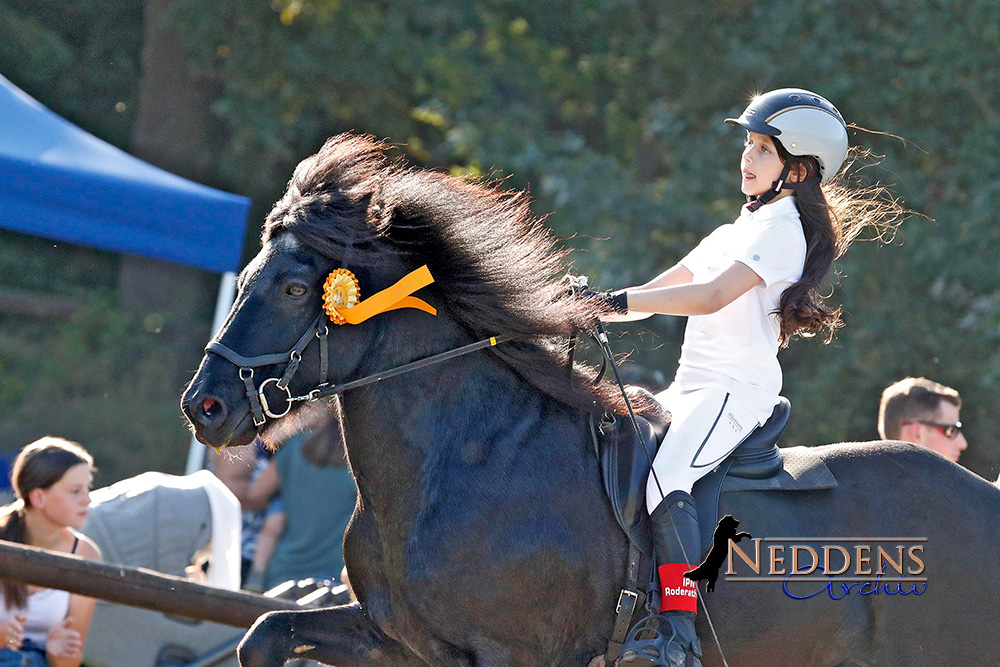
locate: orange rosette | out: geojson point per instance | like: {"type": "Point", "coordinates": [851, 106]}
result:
{"type": "Point", "coordinates": [340, 292]}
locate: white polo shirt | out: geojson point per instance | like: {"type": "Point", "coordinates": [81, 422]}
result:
{"type": "Point", "coordinates": [736, 347]}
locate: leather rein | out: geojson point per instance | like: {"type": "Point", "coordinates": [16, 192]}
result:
{"type": "Point", "coordinates": [261, 408]}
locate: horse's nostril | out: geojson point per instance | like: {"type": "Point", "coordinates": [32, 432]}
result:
{"type": "Point", "coordinates": [210, 407]}
{"type": "Point", "coordinates": [208, 411]}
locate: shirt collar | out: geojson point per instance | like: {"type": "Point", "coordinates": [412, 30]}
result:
{"type": "Point", "coordinates": [784, 206]}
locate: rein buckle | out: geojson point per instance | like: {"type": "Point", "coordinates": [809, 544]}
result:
{"type": "Point", "coordinates": [263, 398]}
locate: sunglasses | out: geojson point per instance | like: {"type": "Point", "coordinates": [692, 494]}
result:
{"type": "Point", "coordinates": [949, 431]}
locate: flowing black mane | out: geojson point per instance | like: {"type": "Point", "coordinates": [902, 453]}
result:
{"type": "Point", "coordinates": [498, 265]}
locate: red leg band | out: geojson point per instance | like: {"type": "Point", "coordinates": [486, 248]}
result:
{"type": "Point", "coordinates": [679, 592]}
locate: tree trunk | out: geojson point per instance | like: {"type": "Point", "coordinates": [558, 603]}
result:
{"type": "Point", "coordinates": [171, 132]}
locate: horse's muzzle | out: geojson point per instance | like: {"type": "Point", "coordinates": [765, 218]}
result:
{"type": "Point", "coordinates": [215, 419]}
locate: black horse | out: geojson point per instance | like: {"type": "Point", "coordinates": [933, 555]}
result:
{"type": "Point", "coordinates": [482, 536]}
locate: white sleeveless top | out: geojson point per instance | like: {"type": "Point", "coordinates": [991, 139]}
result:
{"type": "Point", "coordinates": [46, 609]}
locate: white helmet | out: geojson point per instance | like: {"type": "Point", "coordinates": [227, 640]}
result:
{"type": "Point", "coordinates": [806, 124]}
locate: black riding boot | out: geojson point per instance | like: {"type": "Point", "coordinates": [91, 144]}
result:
{"type": "Point", "coordinates": [668, 639]}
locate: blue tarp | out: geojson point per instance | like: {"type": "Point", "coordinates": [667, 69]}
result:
{"type": "Point", "coordinates": [60, 182]}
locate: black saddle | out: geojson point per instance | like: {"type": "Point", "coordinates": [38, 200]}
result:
{"type": "Point", "coordinates": [625, 467]}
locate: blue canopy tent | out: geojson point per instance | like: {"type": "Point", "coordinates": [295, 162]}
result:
{"type": "Point", "coordinates": [59, 182]}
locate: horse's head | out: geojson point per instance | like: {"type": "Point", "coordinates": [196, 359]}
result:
{"type": "Point", "coordinates": [496, 272]}
{"type": "Point", "coordinates": [277, 322]}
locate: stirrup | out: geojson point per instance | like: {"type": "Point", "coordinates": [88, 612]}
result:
{"type": "Point", "coordinates": [649, 644]}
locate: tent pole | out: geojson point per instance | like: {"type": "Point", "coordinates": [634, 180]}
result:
{"type": "Point", "coordinates": [227, 295]}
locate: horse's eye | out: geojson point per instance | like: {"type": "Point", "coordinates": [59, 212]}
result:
{"type": "Point", "coordinates": [296, 289]}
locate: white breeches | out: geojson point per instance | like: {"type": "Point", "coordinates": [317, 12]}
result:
{"type": "Point", "coordinates": [707, 425]}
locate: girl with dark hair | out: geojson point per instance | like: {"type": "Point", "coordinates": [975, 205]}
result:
{"type": "Point", "coordinates": [43, 626]}
{"type": "Point", "coordinates": [747, 289]}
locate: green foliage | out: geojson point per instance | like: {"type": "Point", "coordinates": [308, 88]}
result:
{"type": "Point", "coordinates": [80, 58]}
{"type": "Point", "coordinates": [103, 378]}
{"type": "Point", "coordinates": [610, 113]}
{"type": "Point", "coordinates": [54, 267]}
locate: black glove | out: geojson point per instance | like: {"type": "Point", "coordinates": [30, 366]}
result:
{"type": "Point", "coordinates": [574, 284]}
{"type": "Point", "coordinates": [614, 302]}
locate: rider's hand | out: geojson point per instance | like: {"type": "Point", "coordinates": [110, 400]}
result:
{"type": "Point", "coordinates": [64, 642]}
{"type": "Point", "coordinates": [12, 632]}
{"type": "Point", "coordinates": [610, 302]}
{"type": "Point", "coordinates": [573, 284]}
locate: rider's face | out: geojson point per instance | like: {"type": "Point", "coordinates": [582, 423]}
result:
{"type": "Point", "coordinates": [760, 165]}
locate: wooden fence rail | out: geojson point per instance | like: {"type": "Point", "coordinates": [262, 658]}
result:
{"type": "Point", "coordinates": [137, 587]}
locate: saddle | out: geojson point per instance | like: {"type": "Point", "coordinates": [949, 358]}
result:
{"type": "Point", "coordinates": [757, 464]}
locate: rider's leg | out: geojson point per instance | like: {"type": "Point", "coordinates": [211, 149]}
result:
{"type": "Point", "coordinates": [706, 426]}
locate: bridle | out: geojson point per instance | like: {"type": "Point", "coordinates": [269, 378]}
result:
{"type": "Point", "coordinates": [260, 407]}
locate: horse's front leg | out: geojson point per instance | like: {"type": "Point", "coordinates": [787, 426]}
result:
{"type": "Point", "coordinates": [341, 636]}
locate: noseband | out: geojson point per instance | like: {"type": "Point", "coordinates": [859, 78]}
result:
{"type": "Point", "coordinates": [341, 305]}
{"type": "Point", "coordinates": [260, 409]}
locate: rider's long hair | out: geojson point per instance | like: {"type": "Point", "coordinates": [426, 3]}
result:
{"type": "Point", "coordinates": [833, 215]}
{"type": "Point", "coordinates": [39, 465]}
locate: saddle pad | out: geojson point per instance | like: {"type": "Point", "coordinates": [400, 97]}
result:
{"type": "Point", "coordinates": [803, 470]}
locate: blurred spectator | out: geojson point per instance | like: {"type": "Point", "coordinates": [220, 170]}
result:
{"type": "Point", "coordinates": [925, 413]}
{"type": "Point", "coordinates": [319, 495]}
{"type": "Point", "coordinates": [267, 543]}
{"type": "Point", "coordinates": [51, 478]}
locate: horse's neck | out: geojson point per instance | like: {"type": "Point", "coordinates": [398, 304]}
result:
{"type": "Point", "coordinates": [400, 430]}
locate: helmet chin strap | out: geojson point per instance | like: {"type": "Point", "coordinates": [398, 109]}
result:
{"type": "Point", "coordinates": [755, 203]}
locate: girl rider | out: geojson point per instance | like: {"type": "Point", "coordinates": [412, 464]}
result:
{"type": "Point", "coordinates": [747, 289]}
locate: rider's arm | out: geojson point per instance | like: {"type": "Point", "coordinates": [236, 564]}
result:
{"type": "Point", "coordinates": [700, 298]}
{"type": "Point", "coordinates": [678, 274]}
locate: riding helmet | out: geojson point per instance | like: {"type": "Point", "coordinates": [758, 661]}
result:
{"type": "Point", "coordinates": [804, 122]}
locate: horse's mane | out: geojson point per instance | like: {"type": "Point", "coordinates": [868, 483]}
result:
{"type": "Point", "coordinates": [499, 266]}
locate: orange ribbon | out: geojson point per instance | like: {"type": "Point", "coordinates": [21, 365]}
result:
{"type": "Point", "coordinates": [392, 298]}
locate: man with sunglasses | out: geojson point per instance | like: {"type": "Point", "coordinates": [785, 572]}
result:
{"type": "Point", "coordinates": [925, 413]}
